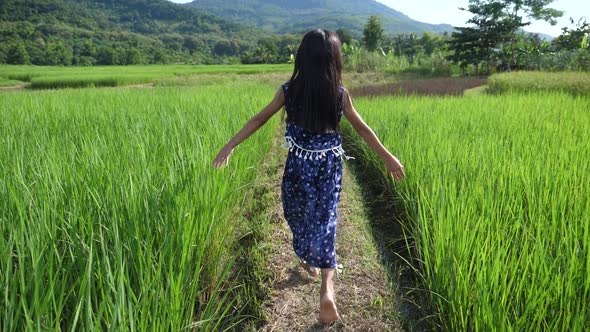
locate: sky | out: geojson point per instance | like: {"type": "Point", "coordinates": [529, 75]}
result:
{"type": "Point", "coordinates": [437, 11]}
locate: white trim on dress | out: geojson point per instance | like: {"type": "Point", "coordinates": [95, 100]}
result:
{"type": "Point", "coordinates": [304, 153]}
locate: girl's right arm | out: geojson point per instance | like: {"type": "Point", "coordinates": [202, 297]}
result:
{"type": "Point", "coordinates": [250, 128]}
{"type": "Point", "coordinates": [394, 167]}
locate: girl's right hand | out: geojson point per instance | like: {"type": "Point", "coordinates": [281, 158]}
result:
{"type": "Point", "coordinates": [395, 168]}
{"type": "Point", "coordinates": [222, 157]}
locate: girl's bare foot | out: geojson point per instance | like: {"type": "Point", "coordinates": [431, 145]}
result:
{"type": "Point", "coordinates": [328, 311]}
{"type": "Point", "coordinates": [312, 271]}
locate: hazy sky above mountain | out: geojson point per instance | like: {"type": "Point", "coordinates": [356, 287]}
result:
{"type": "Point", "coordinates": [436, 11]}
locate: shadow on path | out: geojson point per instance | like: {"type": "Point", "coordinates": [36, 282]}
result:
{"type": "Point", "coordinates": [390, 231]}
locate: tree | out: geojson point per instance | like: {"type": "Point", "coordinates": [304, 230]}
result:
{"type": "Point", "coordinates": [87, 48]}
{"type": "Point", "coordinates": [258, 56]}
{"type": "Point", "coordinates": [134, 56]}
{"type": "Point", "coordinates": [431, 43]}
{"type": "Point", "coordinates": [406, 44]}
{"type": "Point", "coordinates": [373, 33]}
{"type": "Point", "coordinates": [478, 45]}
{"type": "Point", "coordinates": [345, 36]}
{"type": "Point", "coordinates": [37, 51]}
{"type": "Point", "coordinates": [58, 54]}
{"type": "Point", "coordinates": [106, 56]}
{"type": "Point", "coordinates": [495, 31]}
{"type": "Point", "coordinates": [519, 10]}
{"type": "Point", "coordinates": [173, 41]}
{"type": "Point", "coordinates": [25, 29]}
{"type": "Point", "coordinates": [120, 55]}
{"type": "Point", "coordinates": [269, 46]}
{"type": "Point", "coordinates": [3, 51]}
{"type": "Point", "coordinates": [159, 55]}
{"type": "Point", "coordinates": [572, 39]}
{"type": "Point", "coordinates": [192, 44]}
{"type": "Point", "coordinates": [17, 54]}
{"type": "Point", "coordinates": [225, 48]}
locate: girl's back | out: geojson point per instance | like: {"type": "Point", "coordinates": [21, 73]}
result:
{"type": "Point", "coordinates": [315, 102]}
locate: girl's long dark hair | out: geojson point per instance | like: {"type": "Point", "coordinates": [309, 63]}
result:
{"type": "Point", "coordinates": [314, 95]}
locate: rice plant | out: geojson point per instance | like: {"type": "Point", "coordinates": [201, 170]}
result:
{"type": "Point", "coordinates": [111, 216]}
{"type": "Point", "coordinates": [498, 205]}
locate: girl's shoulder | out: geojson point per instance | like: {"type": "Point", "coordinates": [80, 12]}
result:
{"type": "Point", "coordinates": [285, 86]}
{"type": "Point", "coordinates": [343, 93]}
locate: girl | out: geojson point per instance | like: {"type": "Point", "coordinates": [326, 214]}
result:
{"type": "Point", "coordinates": [315, 101]}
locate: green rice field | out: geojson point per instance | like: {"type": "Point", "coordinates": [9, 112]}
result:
{"type": "Point", "coordinates": [108, 76]}
{"type": "Point", "coordinates": [575, 83]}
{"type": "Point", "coordinates": [498, 205]}
{"type": "Point", "coordinates": [113, 218]}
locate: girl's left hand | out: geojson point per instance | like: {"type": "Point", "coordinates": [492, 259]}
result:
{"type": "Point", "coordinates": [395, 168]}
{"type": "Point", "coordinates": [223, 157]}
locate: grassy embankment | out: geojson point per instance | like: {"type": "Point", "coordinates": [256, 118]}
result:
{"type": "Point", "coordinates": [575, 83]}
{"type": "Point", "coordinates": [7, 82]}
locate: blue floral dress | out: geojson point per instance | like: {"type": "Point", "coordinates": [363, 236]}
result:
{"type": "Point", "coordinates": [310, 191]}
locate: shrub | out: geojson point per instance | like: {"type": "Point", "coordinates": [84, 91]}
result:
{"type": "Point", "coordinates": [575, 83]}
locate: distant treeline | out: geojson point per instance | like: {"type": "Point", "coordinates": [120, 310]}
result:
{"type": "Point", "coordinates": [24, 43]}
{"type": "Point", "coordinates": [109, 32]}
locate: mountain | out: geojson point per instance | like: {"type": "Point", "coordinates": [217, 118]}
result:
{"type": "Point", "coordinates": [297, 16]}
{"type": "Point", "coordinates": [115, 32]}
{"type": "Point", "coordinates": [544, 36]}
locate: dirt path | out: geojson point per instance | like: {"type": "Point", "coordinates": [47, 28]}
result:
{"type": "Point", "coordinates": [137, 86]}
{"type": "Point", "coordinates": [364, 294]}
{"type": "Point", "coordinates": [19, 86]}
{"type": "Point", "coordinates": [442, 86]}
{"type": "Point", "coordinates": [22, 86]}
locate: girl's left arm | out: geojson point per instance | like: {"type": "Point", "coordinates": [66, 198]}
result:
{"type": "Point", "coordinates": [250, 128]}
{"type": "Point", "coordinates": [394, 167]}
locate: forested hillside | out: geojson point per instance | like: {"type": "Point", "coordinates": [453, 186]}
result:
{"type": "Point", "coordinates": [123, 32]}
{"type": "Point", "coordinates": [66, 32]}
{"type": "Point", "coordinates": [283, 16]}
